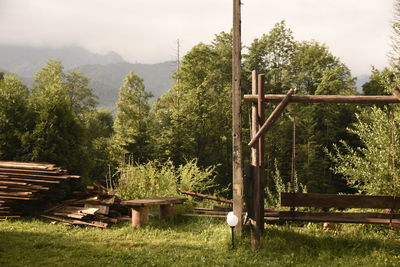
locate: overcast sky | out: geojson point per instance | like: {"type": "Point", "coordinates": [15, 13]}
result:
{"type": "Point", "coordinates": [145, 31]}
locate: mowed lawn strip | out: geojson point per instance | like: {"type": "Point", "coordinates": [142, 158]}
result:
{"type": "Point", "coordinates": [193, 242]}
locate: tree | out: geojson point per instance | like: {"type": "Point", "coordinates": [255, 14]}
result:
{"type": "Point", "coordinates": [57, 135]}
{"type": "Point", "coordinates": [82, 98]}
{"type": "Point", "coordinates": [394, 54]}
{"type": "Point", "coordinates": [14, 117]}
{"type": "Point", "coordinates": [272, 54]}
{"type": "Point", "coordinates": [131, 123]}
{"type": "Point", "coordinates": [192, 120]}
{"type": "Point", "coordinates": [372, 168]}
{"type": "Point", "coordinates": [311, 68]}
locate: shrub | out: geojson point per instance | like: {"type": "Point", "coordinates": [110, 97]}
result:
{"type": "Point", "coordinates": [157, 179]}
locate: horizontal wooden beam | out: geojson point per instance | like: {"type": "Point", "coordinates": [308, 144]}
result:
{"type": "Point", "coordinates": [370, 218]}
{"type": "Point", "coordinates": [372, 99]}
{"type": "Point", "coordinates": [339, 201]}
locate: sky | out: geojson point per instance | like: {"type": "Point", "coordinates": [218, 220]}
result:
{"type": "Point", "coordinates": [146, 31]}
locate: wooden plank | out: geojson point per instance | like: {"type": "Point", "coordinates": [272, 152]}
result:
{"type": "Point", "coordinates": [273, 116]}
{"type": "Point", "coordinates": [15, 193]}
{"type": "Point", "coordinates": [76, 222]}
{"type": "Point", "coordinates": [327, 99]}
{"type": "Point", "coordinates": [28, 165]}
{"type": "Point", "coordinates": [332, 214]}
{"type": "Point", "coordinates": [153, 201]}
{"type": "Point", "coordinates": [19, 170]}
{"type": "Point", "coordinates": [339, 201]}
{"type": "Point", "coordinates": [33, 180]}
{"type": "Point", "coordinates": [19, 198]}
{"type": "Point", "coordinates": [102, 209]}
{"type": "Point", "coordinates": [218, 199]}
{"type": "Point", "coordinates": [334, 217]}
{"type": "Point", "coordinates": [203, 215]}
{"type": "Point", "coordinates": [29, 175]}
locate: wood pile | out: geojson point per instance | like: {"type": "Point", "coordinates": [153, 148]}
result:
{"type": "Point", "coordinates": [23, 184]}
{"type": "Point", "coordinates": [95, 207]}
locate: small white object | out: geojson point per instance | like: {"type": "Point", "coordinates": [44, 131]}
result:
{"type": "Point", "coordinates": [232, 219]}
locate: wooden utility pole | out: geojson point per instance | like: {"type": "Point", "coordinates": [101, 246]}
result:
{"type": "Point", "coordinates": [237, 165]}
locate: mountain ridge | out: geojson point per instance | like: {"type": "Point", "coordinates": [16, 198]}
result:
{"type": "Point", "coordinates": [106, 72]}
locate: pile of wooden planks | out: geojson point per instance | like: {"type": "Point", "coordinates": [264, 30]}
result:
{"type": "Point", "coordinates": [95, 207]}
{"type": "Point", "coordinates": [22, 183]}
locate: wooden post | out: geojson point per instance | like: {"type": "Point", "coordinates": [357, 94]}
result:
{"type": "Point", "coordinates": [140, 216]}
{"type": "Point", "coordinates": [255, 233]}
{"type": "Point", "coordinates": [237, 165]}
{"type": "Point", "coordinates": [261, 152]}
{"type": "Point", "coordinates": [166, 211]}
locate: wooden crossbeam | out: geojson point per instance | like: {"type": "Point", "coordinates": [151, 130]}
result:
{"type": "Point", "coordinates": [339, 201]}
{"type": "Point", "coordinates": [373, 99]}
{"type": "Point", "coordinates": [336, 217]}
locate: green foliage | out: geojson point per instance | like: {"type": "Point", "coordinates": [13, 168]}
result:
{"type": "Point", "coordinates": [273, 193]}
{"type": "Point", "coordinates": [131, 123]}
{"type": "Point", "coordinates": [14, 117]}
{"type": "Point", "coordinates": [57, 135]}
{"type": "Point", "coordinates": [99, 132]}
{"type": "Point", "coordinates": [193, 119]}
{"type": "Point", "coordinates": [155, 179]}
{"type": "Point", "coordinates": [310, 67]}
{"type": "Point", "coordinates": [373, 167]}
{"type": "Point", "coordinates": [379, 82]}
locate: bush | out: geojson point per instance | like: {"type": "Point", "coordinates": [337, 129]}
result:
{"type": "Point", "coordinates": [157, 179]}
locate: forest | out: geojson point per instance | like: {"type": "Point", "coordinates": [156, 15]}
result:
{"type": "Point", "coordinates": [339, 148]}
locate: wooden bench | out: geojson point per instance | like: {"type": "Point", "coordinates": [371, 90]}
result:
{"type": "Point", "coordinates": [140, 208]}
{"type": "Point", "coordinates": [293, 200]}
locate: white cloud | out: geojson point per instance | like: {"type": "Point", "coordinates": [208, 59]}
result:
{"type": "Point", "coordinates": [146, 30]}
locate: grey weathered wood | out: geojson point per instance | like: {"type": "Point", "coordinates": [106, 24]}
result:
{"type": "Point", "coordinates": [237, 165]}
{"type": "Point", "coordinates": [373, 99]}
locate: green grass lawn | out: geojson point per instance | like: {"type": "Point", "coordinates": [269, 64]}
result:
{"type": "Point", "coordinates": [193, 242]}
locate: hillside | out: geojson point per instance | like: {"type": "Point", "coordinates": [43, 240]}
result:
{"type": "Point", "coordinates": [106, 72]}
{"type": "Point", "coordinates": [106, 79]}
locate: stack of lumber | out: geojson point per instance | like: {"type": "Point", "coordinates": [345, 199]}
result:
{"type": "Point", "coordinates": [96, 207]}
{"type": "Point", "coordinates": [22, 184]}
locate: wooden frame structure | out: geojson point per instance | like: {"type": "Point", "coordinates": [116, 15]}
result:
{"type": "Point", "coordinates": [258, 98]}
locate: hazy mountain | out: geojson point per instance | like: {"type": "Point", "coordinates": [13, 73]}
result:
{"type": "Point", "coordinates": [105, 71]}
{"type": "Point", "coordinates": [106, 79]}
{"type": "Point", "coordinates": [26, 60]}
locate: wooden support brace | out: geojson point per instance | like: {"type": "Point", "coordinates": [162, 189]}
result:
{"type": "Point", "coordinates": [272, 118]}
{"type": "Point", "coordinates": [140, 216]}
